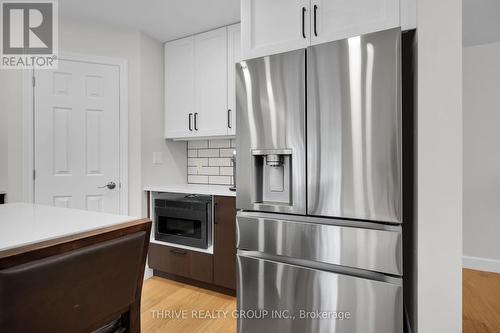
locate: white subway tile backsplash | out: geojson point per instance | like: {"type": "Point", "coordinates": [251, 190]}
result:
{"type": "Point", "coordinates": [197, 161]}
{"type": "Point", "coordinates": [226, 171]}
{"type": "Point", "coordinates": [197, 144]}
{"type": "Point", "coordinates": [224, 143]}
{"type": "Point", "coordinates": [221, 161]}
{"type": "Point", "coordinates": [209, 162]}
{"type": "Point", "coordinates": [222, 180]}
{"type": "Point", "coordinates": [208, 152]}
{"type": "Point", "coordinates": [209, 171]}
{"type": "Point", "coordinates": [226, 152]}
{"type": "Point", "coordinates": [197, 179]}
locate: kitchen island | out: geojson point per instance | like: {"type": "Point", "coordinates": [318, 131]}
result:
{"type": "Point", "coordinates": [78, 270]}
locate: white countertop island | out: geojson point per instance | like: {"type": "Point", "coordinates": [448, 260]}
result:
{"type": "Point", "coordinates": [24, 224]}
{"type": "Point", "coordinates": [220, 190]}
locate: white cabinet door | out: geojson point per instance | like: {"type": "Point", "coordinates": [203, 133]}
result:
{"type": "Point", "coordinates": [233, 57]}
{"type": "Point", "coordinates": [269, 27]}
{"type": "Point", "coordinates": [179, 88]}
{"type": "Point", "coordinates": [211, 83]}
{"type": "Point", "coordinates": [337, 19]}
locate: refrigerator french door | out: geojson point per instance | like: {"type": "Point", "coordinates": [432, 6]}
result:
{"type": "Point", "coordinates": [319, 188]}
{"type": "Point", "coordinates": [354, 128]}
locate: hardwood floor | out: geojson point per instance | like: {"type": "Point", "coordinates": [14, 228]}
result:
{"type": "Point", "coordinates": [168, 306]}
{"type": "Point", "coordinates": [160, 297]}
{"type": "Point", "coordinates": [481, 302]}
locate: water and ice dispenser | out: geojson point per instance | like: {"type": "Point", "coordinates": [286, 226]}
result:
{"type": "Point", "coordinates": [272, 172]}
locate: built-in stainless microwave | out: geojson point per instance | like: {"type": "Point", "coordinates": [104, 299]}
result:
{"type": "Point", "coordinates": [186, 220]}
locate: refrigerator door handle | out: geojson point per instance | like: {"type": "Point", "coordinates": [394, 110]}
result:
{"type": "Point", "coordinates": [315, 20]}
{"type": "Point", "coordinates": [345, 270]}
{"type": "Point", "coordinates": [303, 22]}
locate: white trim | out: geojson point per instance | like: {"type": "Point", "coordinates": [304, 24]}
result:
{"type": "Point", "coordinates": [28, 107]}
{"type": "Point", "coordinates": [481, 264]}
{"type": "Point", "coordinates": [27, 144]}
{"type": "Point", "coordinates": [194, 138]}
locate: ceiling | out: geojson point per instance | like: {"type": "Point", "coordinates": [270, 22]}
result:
{"type": "Point", "coordinates": [170, 19]}
{"type": "Point", "coordinates": [161, 19]}
{"type": "Point", "coordinates": [481, 21]}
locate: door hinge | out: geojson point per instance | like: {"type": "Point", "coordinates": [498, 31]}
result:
{"type": "Point", "coordinates": [34, 174]}
{"type": "Point", "coordinates": [33, 80]}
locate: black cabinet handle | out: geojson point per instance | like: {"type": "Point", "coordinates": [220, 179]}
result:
{"type": "Point", "coordinates": [303, 22]}
{"type": "Point", "coordinates": [178, 252]}
{"type": "Point", "coordinates": [196, 121]}
{"type": "Point", "coordinates": [315, 10]}
{"type": "Point", "coordinates": [229, 124]}
{"type": "Point", "coordinates": [190, 119]}
{"type": "Point", "coordinates": [215, 213]}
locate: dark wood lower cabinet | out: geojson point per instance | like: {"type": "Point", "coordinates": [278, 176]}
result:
{"type": "Point", "coordinates": [225, 242]}
{"type": "Point", "coordinates": [218, 269]}
{"type": "Point", "coordinates": [189, 264]}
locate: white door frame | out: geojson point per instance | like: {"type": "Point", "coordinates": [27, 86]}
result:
{"type": "Point", "coordinates": [28, 186]}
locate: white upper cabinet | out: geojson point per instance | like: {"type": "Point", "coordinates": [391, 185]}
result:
{"type": "Point", "coordinates": [200, 84]}
{"type": "Point", "coordinates": [274, 26]}
{"type": "Point", "coordinates": [179, 87]}
{"type": "Point", "coordinates": [339, 19]}
{"type": "Point", "coordinates": [233, 57]}
{"type": "Point", "coordinates": [211, 83]}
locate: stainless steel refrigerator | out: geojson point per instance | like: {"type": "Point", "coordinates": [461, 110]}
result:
{"type": "Point", "coordinates": [319, 165]}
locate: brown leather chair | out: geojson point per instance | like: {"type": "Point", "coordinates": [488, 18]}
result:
{"type": "Point", "coordinates": [94, 287]}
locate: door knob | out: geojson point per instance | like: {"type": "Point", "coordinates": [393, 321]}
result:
{"type": "Point", "coordinates": [110, 185]}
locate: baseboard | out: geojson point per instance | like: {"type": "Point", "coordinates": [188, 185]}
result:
{"type": "Point", "coordinates": [148, 272]}
{"type": "Point", "coordinates": [481, 264]}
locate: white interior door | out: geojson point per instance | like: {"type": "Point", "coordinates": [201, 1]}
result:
{"type": "Point", "coordinates": [77, 136]}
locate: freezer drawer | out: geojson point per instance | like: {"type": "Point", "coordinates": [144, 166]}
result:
{"type": "Point", "coordinates": [348, 243]}
{"type": "Point", "coordinates": [354, 134]}
{"type": "Point", "coordinates": [366, 306]}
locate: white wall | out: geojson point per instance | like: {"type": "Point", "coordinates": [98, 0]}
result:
{"type": "Point", "coordinates": [481, 91]}
{"type": "Point", "coordinates": [144, 57]}
{"type": "Point", "coordinates": [4, 134]}
{"type": "Point", "coordinates": [172, 170]}
{"type": "Point", "coordinates": [439, 166]}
